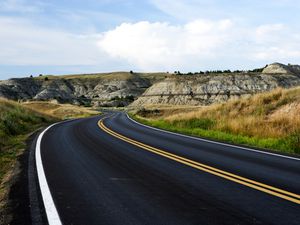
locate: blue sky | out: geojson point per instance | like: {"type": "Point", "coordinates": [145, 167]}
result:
{"type": "Point", "coordinates": [62, 37]}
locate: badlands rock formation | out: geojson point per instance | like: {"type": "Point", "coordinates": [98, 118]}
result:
{"type": "Point", "coordinates": [86, 89]}
{"type": "Point", "coordinates": [208, 89]}
{"type": "Point", "coordinates": [120, 89]}
{"type": "Point", "coordinates": [278, 68]}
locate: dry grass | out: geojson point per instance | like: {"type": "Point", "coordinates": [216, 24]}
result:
{"type": "Point", "coordinates": [104, 76]}
{"type": "Point", "coordinates": [60, 111]}
{"type": "Point", "coordinates": [16, 123]}
{"type": "Point", "coordinates": [107, 76]}
{"type": "Point", "coordinates": [273, 117]}
{"type": "Point", "coordinates": [270, 114]}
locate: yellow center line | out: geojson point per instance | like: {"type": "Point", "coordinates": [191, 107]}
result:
{"type": "Point", "coordinates": [229, 176]}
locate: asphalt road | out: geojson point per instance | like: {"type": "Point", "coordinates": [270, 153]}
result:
{"type": "Point", "coordinates": [124, 174]}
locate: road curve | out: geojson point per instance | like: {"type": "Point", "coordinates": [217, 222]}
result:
{"type": "Point", "coordinates": [124, 173]}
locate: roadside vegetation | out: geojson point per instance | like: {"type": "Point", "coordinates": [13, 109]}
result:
{"type": "Point", "coordinates": [17, 122]}
{"type": "Point", "coordinates": [60, 111]}
{"type": "Point", "coordinates": [268, 120]}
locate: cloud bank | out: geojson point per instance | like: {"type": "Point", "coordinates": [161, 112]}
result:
{"type": "Point", "coordinates": [150, 46]}
{"type": "Point", "coordinates": [23, 43]}
{"type": "Point", "coordinates": [199, 43]}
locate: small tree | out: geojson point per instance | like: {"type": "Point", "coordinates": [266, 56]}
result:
{"type": "Point", "coordinates": [131, 72]}
{"type": "Point", "coordinates": [46, 78]}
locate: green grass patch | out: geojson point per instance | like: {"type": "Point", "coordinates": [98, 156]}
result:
{"type": "Point", "coordinates": [204, 128]}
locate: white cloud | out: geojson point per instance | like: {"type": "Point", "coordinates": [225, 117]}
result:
{"type": "Point", "coordinates": [276, 42]}
{"type": "Point", "coordinates": [273, 54]}
{"type": "Point", "coordinates": [161, 45]}
{"type": "Point", "coordinates": [269, 32]}
{"type": "Point", "coordinates": [23, 43]}
{"type": "Point", "coordinates": [195, 45]}
{"type": "Point", "coordinates": [200, 44]}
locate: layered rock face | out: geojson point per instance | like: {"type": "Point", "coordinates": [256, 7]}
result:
{"type": "Point", "coordinates": [278, 68]}
{"type": "Point", "coordinates": [205, 89]}
{"type": "Point", "coordinates": [95, 91]}
{"type": "Point", "coordinates": [208, 89]}
{"type": "Point", "coordinates": [120, 89]}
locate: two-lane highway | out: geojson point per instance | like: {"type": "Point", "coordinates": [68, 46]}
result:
{"type": "Point", "coordinates": [115, 171]}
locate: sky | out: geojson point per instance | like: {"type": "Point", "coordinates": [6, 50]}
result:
{"type": "Point", "coordinates": [68, 37]}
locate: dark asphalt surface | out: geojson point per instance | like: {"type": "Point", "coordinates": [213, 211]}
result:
{"type": "Point", "coordinates": [96, 178]}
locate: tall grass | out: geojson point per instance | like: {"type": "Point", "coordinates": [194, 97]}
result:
{"type": "Point", "coordinates": [15, 123]}
{"type": "Point", "coordinates": [269, 120]}
{"type": "Point", "coordinates": [60, 111]}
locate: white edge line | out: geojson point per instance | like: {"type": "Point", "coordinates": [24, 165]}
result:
{"type": "Point", "coordinates": [51, 211]}
{"type": "Point", "coordinates": [214, 142]}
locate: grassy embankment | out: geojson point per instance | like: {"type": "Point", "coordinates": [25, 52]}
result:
{"type": "Point", "coordinates": [268, 120]}
{"type": "Point", "coordinates": [17, 121]}
{"type": "Point", "coordinates": [60, 111]}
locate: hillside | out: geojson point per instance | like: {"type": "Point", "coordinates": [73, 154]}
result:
{"type": "Point", "coordinates": [140, 89]}
{"type": "Point", "coordinates": [279, 68]}
{"type": "Point", "coordinates": [209, 88]}
{"type": "Point", "coordinates": [267, 120]}
{"type": "Point", "coordinates": [60, 111]}
{"type": "Point", "coordinates": [84, 89]}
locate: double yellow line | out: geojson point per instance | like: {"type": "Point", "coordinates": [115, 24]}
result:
{"type": "Point", "coordinates": [220, 173]}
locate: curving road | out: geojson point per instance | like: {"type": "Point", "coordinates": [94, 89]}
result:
{"type": "Point", "coordinates": [119, 172]}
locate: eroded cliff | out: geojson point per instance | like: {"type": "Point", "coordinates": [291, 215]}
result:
{"type": "Point", "coordinates": [139, 89]}
{"type": "Point", "coordinates": [208, 89]}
